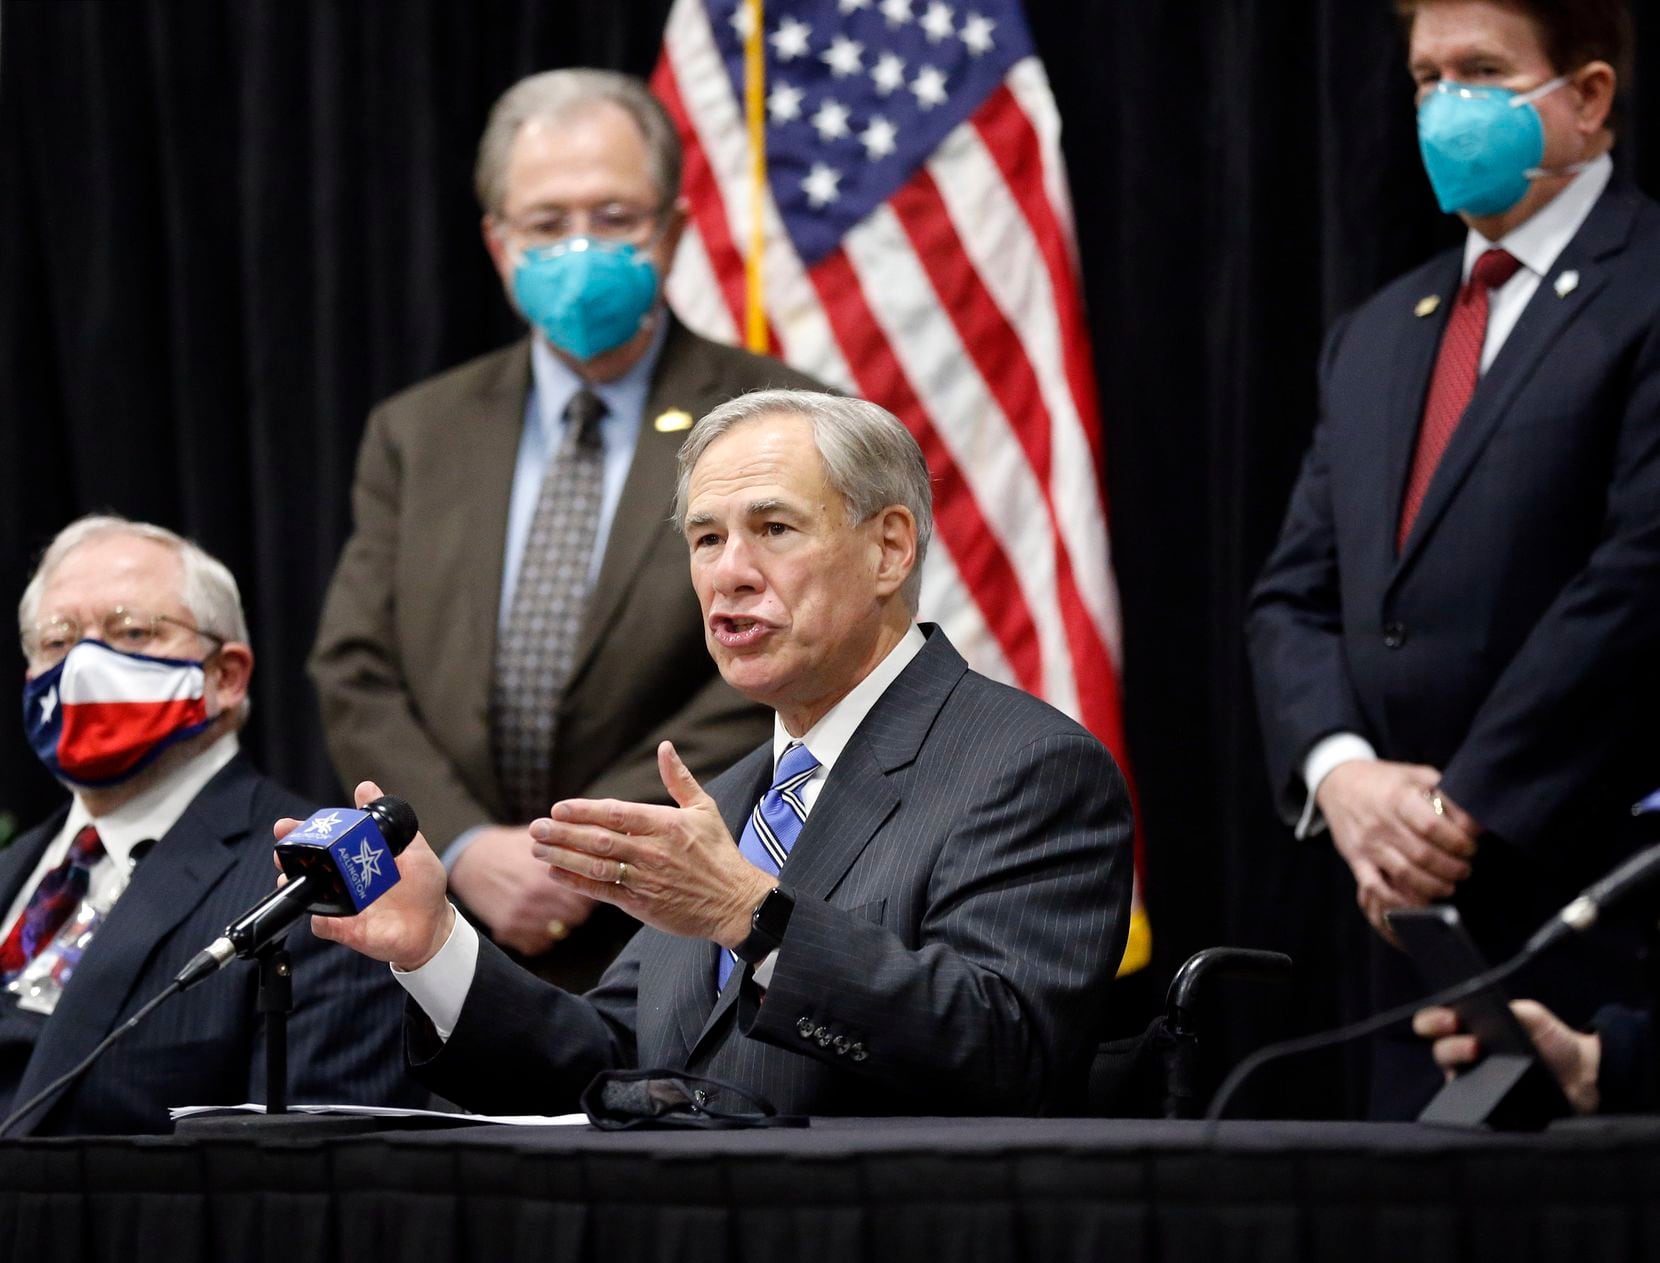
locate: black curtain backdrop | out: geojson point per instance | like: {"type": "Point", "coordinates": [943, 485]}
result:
{"type": "Point", "coordinates": [227, 227]}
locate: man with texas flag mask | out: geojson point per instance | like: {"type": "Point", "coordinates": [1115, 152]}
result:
{"type": "Point", "coordinates": [137, 681]}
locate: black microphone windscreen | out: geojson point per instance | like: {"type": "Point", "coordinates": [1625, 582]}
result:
{"type": "Point", "coordinates": [396, 820]}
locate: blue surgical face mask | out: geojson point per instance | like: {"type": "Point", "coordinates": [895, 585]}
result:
{"type": "Point", "coordinates": [587, 295]}
{"type": "Point", "coordinates": [1481, 145]}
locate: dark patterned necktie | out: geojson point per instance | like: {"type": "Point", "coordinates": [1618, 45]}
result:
{"type": "Point", "coordinates": [1457, 367]}
{"type": "Point", "coordinates": [58, 895]}
{"type": "Point", "coordinates": [775, 823]}
{"type": "Point", "coordinates": [535, 650]}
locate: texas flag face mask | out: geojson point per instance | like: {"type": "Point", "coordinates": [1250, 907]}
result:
{"type": "Point", "coordinates": [100, 716]}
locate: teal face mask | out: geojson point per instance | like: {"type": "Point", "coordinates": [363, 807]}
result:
{"type": "Point", "coordinates": [1481, 145]}
{"type": "Point", "coordinates": [587, 295]}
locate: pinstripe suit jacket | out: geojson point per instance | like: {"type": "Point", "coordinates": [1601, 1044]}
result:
{"type": "Point", "coordinates": [962, 893]}
{"type": "Point", "coordinates": [206, 1046]}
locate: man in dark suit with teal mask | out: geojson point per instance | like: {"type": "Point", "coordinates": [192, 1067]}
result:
{"type": "Point", "coordinates": [1454, 642]}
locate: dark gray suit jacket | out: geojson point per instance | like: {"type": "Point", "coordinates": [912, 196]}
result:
{"type": "Point", "coordinates": [207, 1046]}
{"type": "Point", "coordinates": [962, 894]}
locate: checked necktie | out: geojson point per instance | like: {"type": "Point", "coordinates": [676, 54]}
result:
{"type": "Point", "coordinates": [537, 647]}
{"type": "Point", "coordinates": [58, 895]}
{"type": "Point", "coordinates": [1457, 366]}
{"type": "Point", "coordinates": [775, 823]}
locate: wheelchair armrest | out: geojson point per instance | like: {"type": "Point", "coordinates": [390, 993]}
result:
{"type": "Point", "coordinates": [1204, 968]}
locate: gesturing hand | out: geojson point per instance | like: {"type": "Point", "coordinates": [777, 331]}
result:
{"type": "Point", "coordinates": [675, 868]}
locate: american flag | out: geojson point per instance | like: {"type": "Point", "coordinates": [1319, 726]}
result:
{"type": "Point", "coordinates": [905, 233]}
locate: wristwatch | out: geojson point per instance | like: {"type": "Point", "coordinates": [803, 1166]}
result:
{"type": "Point", "coordinates": [766, 926]}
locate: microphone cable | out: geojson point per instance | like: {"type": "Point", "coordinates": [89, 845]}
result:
{"type": "Point", "coordinates": [1354, 1030]}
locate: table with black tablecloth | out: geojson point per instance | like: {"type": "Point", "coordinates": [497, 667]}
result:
{"type": "Point", "coordinates": [843, 1189]}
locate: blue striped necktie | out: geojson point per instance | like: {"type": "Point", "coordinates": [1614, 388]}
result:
{"type": "Point", "coordinates": [775, 823]}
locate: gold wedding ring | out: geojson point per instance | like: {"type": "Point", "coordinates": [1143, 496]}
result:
{"type": "Point", "coordinates": [622, 873]}
{"type": "Point", "coordinates": [1435, 803]}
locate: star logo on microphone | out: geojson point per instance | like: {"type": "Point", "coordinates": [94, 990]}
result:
{"type": "Point", "coordinates": [319, 826]}
{"type": "Point", "coordinates": [367, 860]}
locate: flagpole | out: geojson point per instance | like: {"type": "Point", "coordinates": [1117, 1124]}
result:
{"type": "Point", "coordinates": [755, 71]}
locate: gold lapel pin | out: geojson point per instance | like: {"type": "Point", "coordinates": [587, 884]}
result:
{"type": "Point", "coordinates": [672, 421]}
{"type": "Point", "coordinates": [1567, 283]}
{"type": "Point", "coordinates": [1427, 305]}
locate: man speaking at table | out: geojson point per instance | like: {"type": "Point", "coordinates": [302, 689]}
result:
{"type": "Point", "coordinates": [910, 901]}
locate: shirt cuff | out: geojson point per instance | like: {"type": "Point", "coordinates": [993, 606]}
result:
{"type": "Point", "coordinates": [462, 841]}
{"type": "Point", "coordinates": [763, 971]}
{"type": "Point", "coordinates": [440, 986]}
{"type": "Point", "coordinates": [1328, 752]}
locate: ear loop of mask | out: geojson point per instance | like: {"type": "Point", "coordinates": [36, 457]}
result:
{"type": "Point", "coordinates": [1528, 98]}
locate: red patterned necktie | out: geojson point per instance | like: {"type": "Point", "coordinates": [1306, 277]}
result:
{"type": "Point", "coordinates": [54, 900]}
{"type": "Point", "coordinates": [1457, 367]}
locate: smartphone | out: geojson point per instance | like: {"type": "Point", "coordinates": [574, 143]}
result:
{"type": "Point", "coordinates": [1441, 948]}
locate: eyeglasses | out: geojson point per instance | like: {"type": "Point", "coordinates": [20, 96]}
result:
{"type": "Point", "coordinates": [129, 630]}
{"type": "Point", "coordinates": [610, 221]}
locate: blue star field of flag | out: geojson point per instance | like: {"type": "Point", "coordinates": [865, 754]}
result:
{"type": "Point", "coordinates": [860, 92]}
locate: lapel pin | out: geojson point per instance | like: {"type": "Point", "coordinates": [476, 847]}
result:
{"type": "Point", "coordinates": [1566, 283]}
{"type": "Point", "coordinates": [1427, 305]}
{"type": "Point", "coordinates": [672, 421]}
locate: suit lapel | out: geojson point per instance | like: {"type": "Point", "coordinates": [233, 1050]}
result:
{"type": "Point", "coordinates": [1411, 367]}
{"type": "Point", "coordinates": [166, 887]}
{"type": "Point", "coordinates": [682, 382]}
{"type": "Point", "coordinates": [18, 860]}
{"type": "Point", "coordinates": [859, 795]}
{"type": "Point", "coordinates": [1547, 314]}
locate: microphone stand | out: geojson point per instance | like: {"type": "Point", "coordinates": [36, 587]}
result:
{"type": "Point", "coordinates": [275, 1002]}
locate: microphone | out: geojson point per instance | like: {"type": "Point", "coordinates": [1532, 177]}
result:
{"type": "Point", "coordinates": [337, 861]}
{"type": "Point", "coordinates": [1582, 913]}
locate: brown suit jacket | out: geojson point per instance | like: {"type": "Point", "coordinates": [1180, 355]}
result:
{"type": "Point", "coordinates": [404, 652]}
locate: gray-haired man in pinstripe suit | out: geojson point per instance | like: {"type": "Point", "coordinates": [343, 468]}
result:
{"type": "Point", "coordinates": [919, 913]}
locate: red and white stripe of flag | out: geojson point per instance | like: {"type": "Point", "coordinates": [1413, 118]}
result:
{"type": "Point", "coordinates": [956, 306]}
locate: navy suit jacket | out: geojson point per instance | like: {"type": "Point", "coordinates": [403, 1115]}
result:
{"type": "Point", "coordinates": [962, 892]}
{"type": "Point", "coordinates": [1512, 642]}
{"type": "Point", "coordinates": [206, 1046]}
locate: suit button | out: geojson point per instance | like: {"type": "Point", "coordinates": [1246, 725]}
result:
{"type": "Point", "coordinates": [805, 1027]}
{"type": "Point", "coordinates": [824, 1038]}
{"type": "Point", "coordinates": [859, 1053]}
{"type": "Point", "coordinates": [842, 1045]}
{"type": "Point", "coordinates": [1394, 635]}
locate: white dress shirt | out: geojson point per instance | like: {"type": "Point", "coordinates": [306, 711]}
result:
{"type": "Point", "coordinates": [440, 986]}
{"type": "Point", "coordinates": [144, 818]}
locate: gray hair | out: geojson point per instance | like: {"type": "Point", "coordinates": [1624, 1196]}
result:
{"type": "Point", "coordinates": [555, 96]}
{"type": "Point", "coordinates": [207, 587]}
{"type": "Point", "coordinates": [869, 457]}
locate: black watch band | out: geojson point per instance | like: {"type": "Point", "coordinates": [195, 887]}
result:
{"type": "Point", "coordinates": [766, 927]}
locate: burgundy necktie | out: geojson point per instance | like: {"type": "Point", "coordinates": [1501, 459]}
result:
{"type": "Point", "coordinates": [54, 900]}
{"type": "Point", "coordinates": [1457, 367]}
